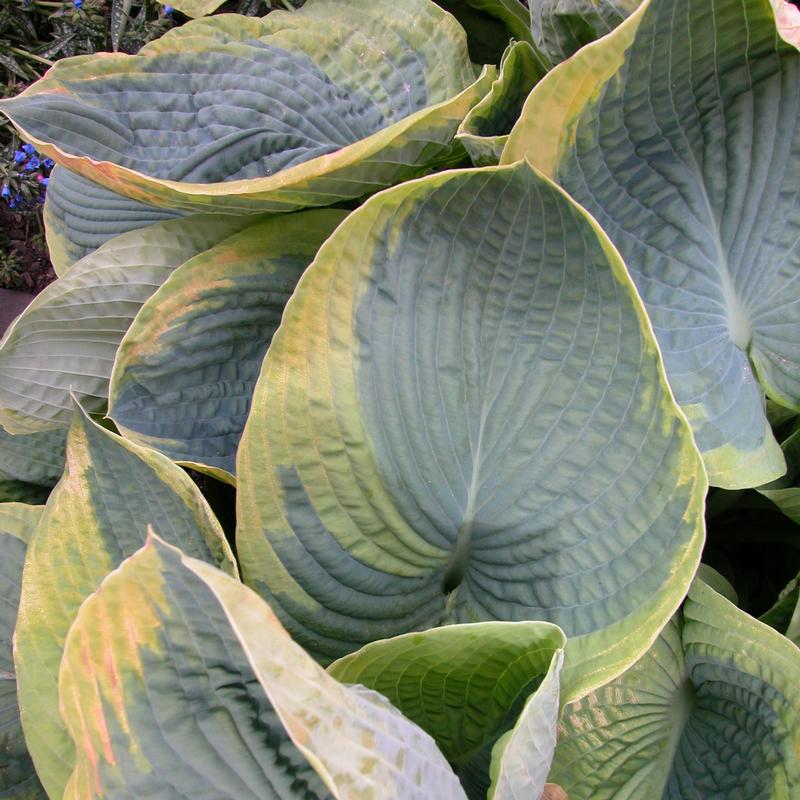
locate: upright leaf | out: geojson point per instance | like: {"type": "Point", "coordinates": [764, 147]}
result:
{"type": "Point", "coordinates": [63, 344]}
{"type": "Point", "coordinates": [96, 517]}
{"type": "Point", "coordinates": [18, 779]}
{"type": "Point", "coordinates": [679, 133]}
{"type": "Point", "coordinates": [521, 759]}
{"type": "Point", "coordinates": [184, 373]}
{"type": "Point", "coordinates": [464, 417]}
{"type": "Point", "coordinates": [712, 710]}
{"type": "Point", "coordinates": [466, 685]}
{"type": "Point", "coordinates": [330, 102]}
{"type": "Point", "coordinates": [167, 644]}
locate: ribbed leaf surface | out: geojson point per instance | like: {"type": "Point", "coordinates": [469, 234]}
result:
{"type": "Point", "coordinates": [96, 517]}
{"type": "Point", "coordinates": [168, 644]}
{"type": "Point", "coordinates": [80, 216]}
{"type": "Point", "coordinates": [64, 343]}
{"type": "Point", "coordinates": [679, 133]}
{"type": "Point", "coordinates": [239, 114]}
{"type": "Point", "coordinates": [184, 374]}
{"type": "Point", "coordinates": [461, 418]}
{"type": "Point", "coordinates": [37, 458]}
{"type": "Point", "coordinates": [712, 711]}
{"type": "Point", "coordinates": [561, 27]}
{"type": "Point", "coordinates": [18, 779]}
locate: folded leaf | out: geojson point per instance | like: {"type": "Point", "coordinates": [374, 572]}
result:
{"type": "Point", "coordinates": [331, 102]}
{"type": "Point", "coordinates": [184, 373]}
{"type": "Point", "coordinates": [37, 458]}
{"type": "Point", "coordinates": [464, 417]}
{"type": "Point", "coordinates": [679, 133]}
{"type": "Point", "coordinates": [168, 644]}
{"type": "Point", "coordinates": [485, 129]}
{"type": "Point", "coordinates": [521, 759]}
{"type": "Point", "coordinates": [64, 343]}
{"type": "Point", "coordinates": [18, 779]}
{"type": "Point", "coordinates": [784, 615]}
{"type": "Point", "coordinates": [712, 710]}
{"type": "Point", "coordinates": [80, 216]}
{"type": "Point", "coordinates": [785, 492]}
{"type": "Point", "coordinates": [466, 685]}
{"type": "Point", "coordinates": [95, 518]}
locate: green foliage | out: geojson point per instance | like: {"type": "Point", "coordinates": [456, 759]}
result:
{"type": "Point", "coordinates": [453, 426]}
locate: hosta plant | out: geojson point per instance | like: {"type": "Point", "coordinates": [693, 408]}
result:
{"type": "Point", "coordinates": [446, 531]}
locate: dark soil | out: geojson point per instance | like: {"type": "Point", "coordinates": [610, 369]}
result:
{"type": "Point", "coordinates": [24, 263]}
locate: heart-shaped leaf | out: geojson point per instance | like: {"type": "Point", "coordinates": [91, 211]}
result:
{"type": "Point", "coordinates": [97, 516]}
{"type": "Point", "coordinates": [18, 779]}
{"type": "Point", "coordinates": [64, 343]}
{"type": "Point", "coordinates": [464, 417]}
{"type": "Point", "coordinates": [679, 133]}
{"type": "Point", "coordinates": [238, 114]}
{"type": "Point", "coordinates": [168, 644]}
{"type": "Point", "coordinates": [184, 373]}
{"type": "Point", "coordinates": [712, 710]}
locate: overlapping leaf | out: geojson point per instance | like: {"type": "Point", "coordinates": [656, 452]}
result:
{"type": "Point", "coordinates": [236, 114]}
{"type": "Point", "coordinates": [464, 417]}
{"type": "Point", "coordinates": [561, 27]}
{"type": "Point", "coordinates": [184, 374]}
{"type": "Point", "coordinates": [96, 517]}
{"type": "Point", "coordinates": [485, 129]}
{"type": "Point", "coordinates": [64, 342]}
{"type": "Point", "coordinates": [785, 492]}
{"type": "Point", "coordinates": [712, 710]}
{"type": "Point", "coordinates": [30, 465]}
{"type": "Point", "coordinates": [210, 649]}
{"type": "Point", "coordinates": [80, 216]}
{"type": "Point", "coordinates": [18, 779]}
{"type": "Point", "coordinates": [466, 685]}
{"type": "Point", "coordinates": [686, 149]}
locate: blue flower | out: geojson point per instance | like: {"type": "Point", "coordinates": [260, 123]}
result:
{"type": "Point", "coordinates": [48, 163]}
{"type": "Point", "coordinates": [19, 156]}
{"type": "Point", "coordinates": [29, 149]}
{"type": "Point", "coordinates": [44, 181]}
{"type": "Point", "coordinates": [5, 191]}
{"type": "Point", "coordinates": [77, 3]}
{"type": "Point", "coordinates": [32, 163]}
{"type": "Point", "coordinates": [168, 11]}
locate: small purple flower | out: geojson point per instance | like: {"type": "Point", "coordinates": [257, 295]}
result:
{"type": "Point", "coordinates": [5, 191]}
{"type": "Point", "coordinates": [32, 163]}
{"type": "Point", "coordinates": [77, 3]}
{"type": "Point", "coordinates": [29, 149]}
{"type": "Point", "coordinates": [48, 163]}
{"type": "Point", "coordinates": [19, 156]}
{"type": "Point", "coordinates": [44, 181]}
{"type": "Point", "coordinates": [168, 11]}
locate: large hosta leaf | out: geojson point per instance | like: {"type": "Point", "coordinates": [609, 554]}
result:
{"type": "Point", "coordinates": [679, 132]}
{"type": "Point", "coordinates": [464, 417]}
{"type": "Point", "coordinates": [561, 27]}
{"type": "Point", "coordinates": [712, 711]}
{"type": "Point", "coordinates": [18, 779]}
{"type": "Point", "coordinates": [184, 374]}
{"type": "Point", "coordinates": [239, 114]}
{"type": "Point", "coordinates": [80, 216]}
{"type": "Point", "coordinates": [466, 685]}
{"type": "Point", "coordinates": [96, 517]}
{"type": "Point", "coordinates": [64, 342]}
{"type": "Point", "coordinates": [167, 645]}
